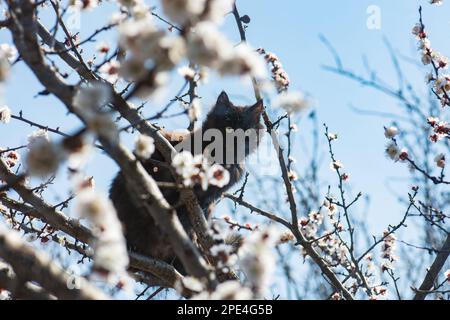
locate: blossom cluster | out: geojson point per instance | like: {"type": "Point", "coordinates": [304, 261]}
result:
{"type": "Point", "coordinates": [110, 252]}
{"type": "Point", "coordinates": [90, 102]}
{"type": "Point", "coordinates": [441, 129]}
{"type": "Point", "coordinates": [257, 259]}
{"type": "Point", "coordinates": [291, 101]}
{"type": "Point", "coordinates": [195, 170]}
{"type": "Point", "coordinates": [328, 244]}
{"type": "Point", "coordinates": [440, 83]}
{"type": "Point", "coordinates": [152, 51]}
{"type": "Point", "coordinates": [392, 149]}
{"type": "Point", "coordinates": [45, 156]}
{"type": "Point", "coordinates": [388, 251]}
{"type": "Point", "coordinates": [279, 75]}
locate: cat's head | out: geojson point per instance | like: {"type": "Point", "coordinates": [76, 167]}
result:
{"type": "Point", "coordinates": [242, 121]}
{"type": "Point", "coordinates": [226, 115]}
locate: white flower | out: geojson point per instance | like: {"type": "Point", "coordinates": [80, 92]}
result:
{"type": "Point", "coordinates": [190, 283]}
{"type": "Point", "coordinates": [207, 46]}
{"type": "Point", "coordinates": [168, 52]}
{"type": "Point", "coordinates": [218, 9]}
{"type": "Point", "coordinates": [103, 125]}
{"type": "Point", "coordinates": [89, 102]}
{"type": "Point", "coordinates": [37, 135]}
{"type": "Point", "coordinates": [292, 175]}
{"type": "Point", "coordinates": [133, 69]}
{"type": "Point", "coordinates": [316, 217]}
{"type": "Point", "coordinates": [257, 259]}
{"type": "Point", "coordinates": [392, 151]}
{"type": "Point", "coordinates": [43, 157]}
{"type": "Point", "coordinates": [91, 97]}
{"type": "Point", "coordinates": [144, 146]}
{"type": "Point", "coordinates": [183, 163]}
{"type": "Point", "coordinates": [292, 101]}
{"type": "Point", "coordinates": [187, 72]}
{"type": "Point", "coordinates": [5, 114]}
{"type": "Point", "coordinates": [332, 136]}
{"type": "Point", "coordinates": [390, 132]}
{"type": "Point", "coordinates": [440, 160]}
{"type": "Point", "coordinates": [103, 47]}
{"type": "Point", "coordinates": [8, 52]}
{"type": "Point", "coordinates": [4, 68]}
{"type": "Point", "coordinates": [244, 60]}
{"type": "Point", "coordinates": [218, 176]}
{"type": "Point", "coordinates": [335, 165]}
{"type": "Point", "coordinates": [182, 11]}
{"type": "Point", "coordinates": [137, 35]}
{"type": "Point", "coordinates": [110, 71]}
{"type": "Point", "coordinates": [110, 252]}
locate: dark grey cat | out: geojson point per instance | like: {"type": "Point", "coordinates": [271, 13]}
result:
{"type": "Point", "coordinates": [142, 234]}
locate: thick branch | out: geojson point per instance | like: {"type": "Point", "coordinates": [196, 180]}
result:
{"type": "Point", "coordinates": [20, 290]}
{"type": "Point", "coordinates": [434, 270]}
{"type": "Point", "coordinates": [30, 264]}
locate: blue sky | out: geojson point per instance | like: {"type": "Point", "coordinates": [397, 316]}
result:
{"type": "Point", "coordinates": [291, 29]}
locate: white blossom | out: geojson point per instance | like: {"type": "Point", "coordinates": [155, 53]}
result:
{"type": "Point", "coordinates": [43, 157]}
{"type": "Point", "coordinates": [110, 71]}
{"type": "Point", "coordinates": [144, 146]}
{"type": "Point", "coordinates": [9, 52]}
{"type": "Point", "coordinates": [392, 151]}
{"type": "Point", "coordinates": [187, 72]}
{"type": "Point", "coordinates": [110, 251]}
{"type": "Point", "coordinates": [5, 114]}
{"type": "Point", "coordinates": [292, 101]}
{"type": "Point", "coordinates": [92, 97]}
{"type": "Point", "coordinates": [218, 176]}
{"type": "Point", "coordinates": [390, 132]}
{"type": "Point", "coordinates": [182, 11]}
{"type": "Point", "coordinates": [38, 135]}
{"type": "Point", "coordinates": [244, 60]}
{"type": "Point", "coordinates": [440, 160]}
{"type": "Point", "coordinates": [257, 259]}
{"type": "Point", "coordinates": [207, 46]}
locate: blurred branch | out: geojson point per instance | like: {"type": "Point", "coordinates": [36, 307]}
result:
{"type": "Point", "coordinates": [30, 264]}
{"type": "Point", "coordinates": [20, 290]}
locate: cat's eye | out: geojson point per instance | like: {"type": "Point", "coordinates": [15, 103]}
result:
{"type": "Point", "coordinates": [229, 130]}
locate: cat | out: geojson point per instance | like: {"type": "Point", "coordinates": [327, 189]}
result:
{"type": "Point", "coordinates": [142, 234]}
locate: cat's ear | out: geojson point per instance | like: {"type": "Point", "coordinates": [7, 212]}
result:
{"type": "Point", "coordinates": [223, 99]}
{"type": "Point", "coordinates": [255, 110]}
{"type": "Point", "coordinates": [223, 104]}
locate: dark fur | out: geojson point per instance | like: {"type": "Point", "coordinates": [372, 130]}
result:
{"type": "Point", "coordinates": [142, 234]}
